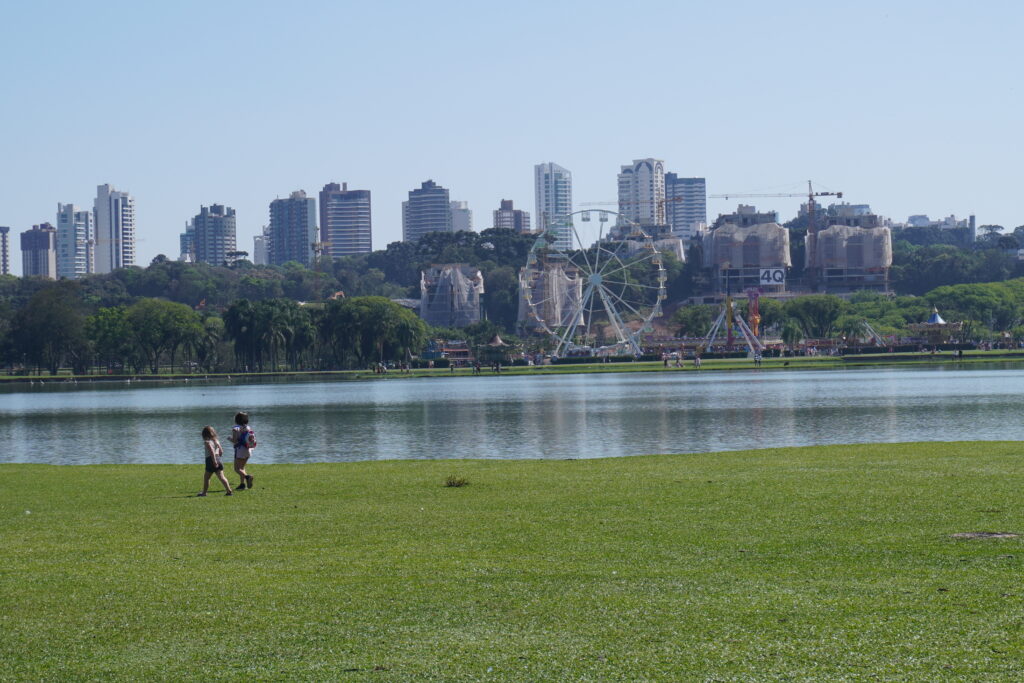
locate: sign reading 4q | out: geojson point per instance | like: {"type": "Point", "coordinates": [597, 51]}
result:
{"type": "Point", "coordinates": [773, 276]}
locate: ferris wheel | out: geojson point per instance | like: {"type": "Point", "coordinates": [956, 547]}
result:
{"type": "Point", "coordinates": [595, 292]}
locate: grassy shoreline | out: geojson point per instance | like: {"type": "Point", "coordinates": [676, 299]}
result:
{"type": "Point", "coordinates": [806, 563]}
{"type": "Point", "coordinates": [795, 363]}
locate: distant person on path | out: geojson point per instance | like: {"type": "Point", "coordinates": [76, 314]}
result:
{"type": "Point", "coordinates": [244, 439]}
{"type": "Point", "coordinates": [214, 453]}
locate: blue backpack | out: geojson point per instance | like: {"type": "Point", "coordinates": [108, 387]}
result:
{"type": "Point", "coordinates": [247, 438]}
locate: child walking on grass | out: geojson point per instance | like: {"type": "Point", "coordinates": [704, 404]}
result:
{"type": "Point", "coordinates": [244, 440]}
{"type": "Point", "coordinates": [214, 453]}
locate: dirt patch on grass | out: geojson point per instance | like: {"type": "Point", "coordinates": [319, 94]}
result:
{"type": "Point", "coordinates": [985, 534]}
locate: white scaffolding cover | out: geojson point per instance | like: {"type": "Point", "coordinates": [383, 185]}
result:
{"type": "Point", "coordinates": [555, 291]}
{"type": "Point", "coordinates": [450, 295]}
{"type": "Point", "coordinates": [765, 245]}
{"type": "Point", "coordinates": [842, 246]}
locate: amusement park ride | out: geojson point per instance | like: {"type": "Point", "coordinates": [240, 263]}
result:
{"type": "Point", "coordinates": [576, 289]}
{"type": "Point", "coordinates": [731, 318]}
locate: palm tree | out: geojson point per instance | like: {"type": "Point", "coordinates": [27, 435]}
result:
{"type": "Point", "coordinates": [791, 333]}
{"type": "Point", "coordinates": [241, 325]}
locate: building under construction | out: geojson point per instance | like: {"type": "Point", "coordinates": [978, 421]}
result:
{"type": "Point", "coordinates": [549, 296]}
{"type": "Point", "coordinates": [852, 251]}
{"type": "Point", "coordinates": [737, 254]}
{"type": "Point", "coordinates": [849, 258]}
{"type": "Point", "coordinates": [450, 295]}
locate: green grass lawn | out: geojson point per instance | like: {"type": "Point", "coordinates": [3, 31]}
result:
{"type": "Point", "coordinates": [795, 564]}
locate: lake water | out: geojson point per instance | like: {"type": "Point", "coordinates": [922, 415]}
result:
{"type": "Point", "coordinates": [565, 416]}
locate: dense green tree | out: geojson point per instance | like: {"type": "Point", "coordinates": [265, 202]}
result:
{"type": "Point", "coordinates": [791, 333]}
{"type": "Point", "coordinates": [161, 327]}
{"type": "Point", "coordinates": [933, 235]}
{"type": "Point", "coordinates": [363, 330]}
{"type": "Point", "coordinates": [693, 321]}
{"type": "Point", "coordinates": [241, 326]}
{"type": "Point", "coordinates": [501, 300]}
{"type": "Point", "coordinates": [110, 332]}
{"type": "Point", "coordinates": [1008, 242]}
{"type": "Point", "coordinates": [922, 269]}
{"type": "Point", "coordinates": [992, 304]}
{"type": "Point", "coordinates": [49, 332]}
{"type": "Point", "coordinates": [205, 343]}
{"type": "Point", "coordinates": [772, 312]}
{"type": "Point", "coordinates": [816, 313]}
{"type": "Point", "coordinates": [849, 327]}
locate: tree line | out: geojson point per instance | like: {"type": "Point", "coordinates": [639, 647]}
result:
{"type": "Point", "coordinates": [923, 259]}
{"type": "Point", "coordinates": [245, 316]}
{"type": "Point", "coordinates": [989, 311]}
{"type": "Point", "coordinates": [55, 330]}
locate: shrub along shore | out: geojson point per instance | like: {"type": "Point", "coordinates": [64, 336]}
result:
{"type": "Point", "coordinates": [806, 563]}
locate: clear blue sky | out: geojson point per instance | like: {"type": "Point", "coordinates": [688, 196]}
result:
{"type": "Point", "coordinates": [913, 107]}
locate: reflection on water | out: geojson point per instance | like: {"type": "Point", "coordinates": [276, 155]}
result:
{"type": "Point", "coordinates": [570, 416]}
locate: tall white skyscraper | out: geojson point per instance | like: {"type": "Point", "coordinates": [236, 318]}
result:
{"type": "Point", "coordinates": [686, 205]}
{"type": "Point", "coordinates": [642, 193]}
{"type": "Point", "coordinates": [75, 241]}
{"type": "Point", "coordinates": [462, 217]}
{"type": "Point", "coordinates": [553, 192]}
{"type": "Point", "coordinates": [114, 216]}
{"type": "Point", "coordinates": [187, 242]}
{"type": "Point", "coordinates": [259, 247]}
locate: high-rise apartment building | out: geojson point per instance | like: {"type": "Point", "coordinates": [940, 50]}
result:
{"type": "Point", "coordinates": [642, 194]}
{"type": "Point", "coordinates": [508, 217]}
{"type": "Point", "coordinates": [428, 209]}
{"type": "Point", "coordinates": [345, 220]}
{"type": "Point", "coordinates": [462, 217]}
{"type": "Point", "coordinates": [5, 250]}
{"type": "Point", "coordinates": [553, 190]}
{"type": "Point", "coordinates": [39, 251]}
{"type": "Point", "coordinates": [213, 235]}
{"type": "Point", "coordinates": [686, 205]}
{"type": "Point", "coordinates": [187, 242]}
{"type": "Point", "coordinates": [260, 255]}
{"type": "Point", "coordinates": [292, 232]}
{"type": "Point", "coordinates": [114, 220]}
{"type": "Point", "coordinates": [75, 241]}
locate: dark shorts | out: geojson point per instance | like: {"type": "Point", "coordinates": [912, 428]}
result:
{"type": "Point", "coordinates": [213, 466]}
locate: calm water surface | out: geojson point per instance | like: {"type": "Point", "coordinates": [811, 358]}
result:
{"type": "Point", "coordinates": [570, 416]}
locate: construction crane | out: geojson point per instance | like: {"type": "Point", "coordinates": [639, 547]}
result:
{"type": "Point", "coordinates": [812, 230]}
{"type": "Point", "coordinates": [319, 248]}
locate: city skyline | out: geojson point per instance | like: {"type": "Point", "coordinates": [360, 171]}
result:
{"type": "Point", "coordinates": [929, 132]}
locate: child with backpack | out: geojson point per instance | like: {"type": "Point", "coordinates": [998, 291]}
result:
{"type": "Point", "coordinates": [244, 439]}
{"type": "Point", "coordinates": [214, 453]}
